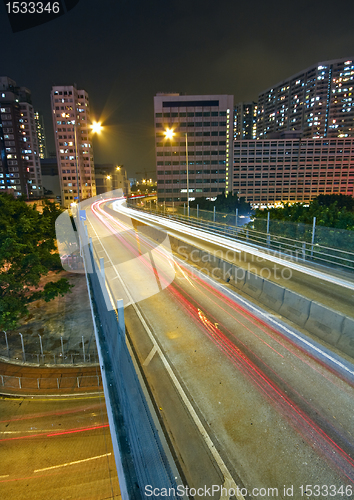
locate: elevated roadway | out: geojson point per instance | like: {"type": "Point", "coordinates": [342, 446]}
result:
{"type": "Point", "coordinates": [241, 400]}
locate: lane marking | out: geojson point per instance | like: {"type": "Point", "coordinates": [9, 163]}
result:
{"type": "Point", "coordinates": [73, 463]}
{"type": "Point", "coordinates": [208, 441]}
{"type": "Point", "coordinates": [150, 356]}
{"type": "Point", "coordinates": [2, 477]}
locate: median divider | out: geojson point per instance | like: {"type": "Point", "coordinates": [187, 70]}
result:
{"type": "Point", "coordinates": [295, 307]}
{"type": "Point", "coordinates": [346, 340]}
{"type": "Point", "coordinates": [333, 327]}
{"type": "Point", "coordinates": [325, 323]}
{"type": "Point", "coordinates": [272, 295]}
{"type": "Point", "coordinates": [253, 285]}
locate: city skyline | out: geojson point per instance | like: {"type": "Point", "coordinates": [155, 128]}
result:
{"type": "Point", "coordinates": [237, 49]}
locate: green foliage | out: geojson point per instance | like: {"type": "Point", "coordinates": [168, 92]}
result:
{"type": "Point", "coordinates": [27, 253]}
{"type": "Point", "coordinates": [332, 210]}
{"type": "Point", "coordinates": [225, 204]}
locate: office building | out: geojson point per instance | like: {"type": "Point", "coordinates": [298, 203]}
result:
{"type": "Point", "coordinates": [201, 128]}
{"type": "Point", "coordinates": [71, 121]}
{"type": "Point", "coordinates": [317, 100]}
{"type": "Point", "coordinates": [245, 120]}
{"type": "Point", "coordinates": [41, 135]}
{"type": "Point", "coordinates": [292, 169]}
{"type": "Point", "coordinates": [110, 177]}
{"type": "Point", "coordinates": [20, 171]}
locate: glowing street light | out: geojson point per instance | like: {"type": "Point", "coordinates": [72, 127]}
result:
{"type": "Point", "coordinates": [96, 127]}
{"type": "Point", "coordinates": [169, 133]}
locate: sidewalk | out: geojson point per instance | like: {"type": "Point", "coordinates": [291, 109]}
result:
{"type": "Point", "coordinates": [21, 379]}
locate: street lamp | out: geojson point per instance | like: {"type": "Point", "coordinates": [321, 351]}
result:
{"type": "Point", "coordinates": [169, 133]}
{"type": "Point", "coordinates": [96, 128]}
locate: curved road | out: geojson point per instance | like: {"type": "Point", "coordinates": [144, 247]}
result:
{"type": "Point", "coordinates": [276, 415]}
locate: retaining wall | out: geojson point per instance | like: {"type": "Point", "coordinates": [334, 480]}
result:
{"type": "Point", "coordinates": [333, 327]}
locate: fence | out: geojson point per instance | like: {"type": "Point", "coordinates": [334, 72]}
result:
{"type": "Point", "coordinates": [30, 350]}
{"type": "Point", "coordinates": [44, 383]}
{"type": "Point", "coordinates": [305, 242]}
{"type": "Point", "coordinates": [142, 455]}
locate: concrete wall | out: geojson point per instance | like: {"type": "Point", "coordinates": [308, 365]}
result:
{"type": "Point", "coordinates": [327, 324]}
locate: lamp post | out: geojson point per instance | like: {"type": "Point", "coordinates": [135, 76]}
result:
{"type": "Point", "coordinates": [109, 184]}
{"type": "Point", "coordinates": [96, 128]}
{"type": "Point", "coordinates": [187, 175]}
{"type": "Point", "coordinates": [77, 164]}
{"type": "Point", "coordinates": [169, 133]}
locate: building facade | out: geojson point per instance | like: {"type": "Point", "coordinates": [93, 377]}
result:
{"type": "Point", "coordinates": [245, 120]}
{"type": "Point", "coordinates": [318, 101]}
{"type": "Point", "coordinates": [38, 118]}
{"type": "Point", "coordinates": [110, 177]}
{"type": "Point", "coordinates": [290, 169]}
{"type": "Point", "coordinates": [20, 170]}
{"type": "Point", "coordinates": [202, 132]}
{"type": "Point", "coordinates": [71, 122]}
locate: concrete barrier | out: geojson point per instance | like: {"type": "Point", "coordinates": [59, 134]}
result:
{"type": "Point", "coordinates": [335, 328]}
{"type": "Point", "coordinates": [272, 295]}
{"type": "Point", "coordinates": [325, 323]}
{"type": "Point", "coordinates": [238, 277]}
{"type": "Point", "coordinates": [295, 307]}
{"type": "Point", "coordinates": [253, 285]}
{"type": "Point", "coordinates": [346, 340]}
{"type": "Point", "coordinates": [227, 270]}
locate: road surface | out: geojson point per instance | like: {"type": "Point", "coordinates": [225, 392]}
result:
{"type": "Point", "coordinates": [238, 398]}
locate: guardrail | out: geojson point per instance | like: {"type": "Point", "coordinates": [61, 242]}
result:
{"type": "Point", "coordinates": [269, 235]}
{"type": "Point", "coordinates": [15, 348]}
{"type": "Point", "coordinates": [50, 383]}
{"type": "Point", "coordinates": [140, 456]}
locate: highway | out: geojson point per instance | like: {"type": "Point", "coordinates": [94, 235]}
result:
{"type": "Point", "coordinates": [56, 447]}
{"type": "Point", "coordinates": [241, 402]}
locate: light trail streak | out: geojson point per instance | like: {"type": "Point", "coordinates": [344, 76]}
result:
{"type": "Point", "coordinates": [235, 246]}
{"type": "Point", "coordinates": [51, 434]}
{"type": "Point", "coordinates": [73, 463]}
{"type": "Point", "coordinates": [315, 436]}
{"type": "Point", "coordinates": [54, 413]}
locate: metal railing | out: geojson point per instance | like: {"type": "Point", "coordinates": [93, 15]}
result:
{"type": "Point", "coordinates": [16, 347]}
{"type": "Point", "coordinates": [50, 383]}
{"type": "Point", "coordinates": [142, 453]}
{"type": "Point", "coordinates": [304, 242]}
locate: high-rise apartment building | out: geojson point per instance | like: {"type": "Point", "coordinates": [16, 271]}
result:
{"type": "Point", "coordinates": [201, 128]}
{"type": "Point", "coordinates": [20, 170]}
{"type": "Point", "coordinates": [71, 121]}
{"type": "Point", "coordinates": [245, 120]}
{"type": "Point", "coordinates": [38, 118]}
{"type": "Point", "coordinates": [318, 101]}
{"type": "Point", "coordinates": [292, 169]}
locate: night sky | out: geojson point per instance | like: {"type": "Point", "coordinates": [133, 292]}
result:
{"type": "Point", "coordinates": [125, 51]}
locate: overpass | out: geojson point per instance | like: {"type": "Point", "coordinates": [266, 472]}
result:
{"type": "Point", "coordinates": [236, 391]}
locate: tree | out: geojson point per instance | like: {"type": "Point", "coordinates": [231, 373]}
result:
{"type": "Point", "coordinates": [27, 253]}
{"type": "Point", "coordinates": [226, 204]}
